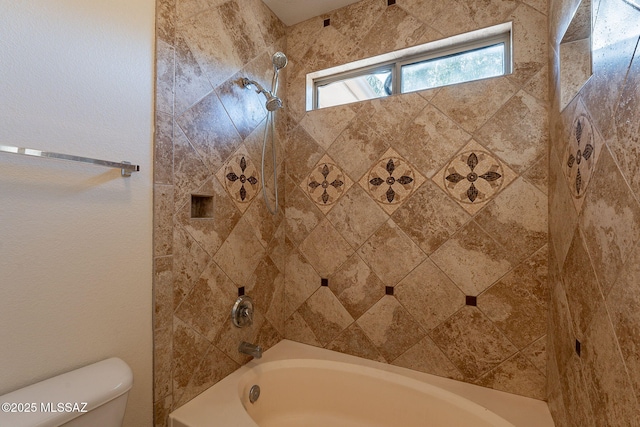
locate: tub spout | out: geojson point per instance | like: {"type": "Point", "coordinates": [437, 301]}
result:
{"type": "Point", "coordinates": [252, 350]}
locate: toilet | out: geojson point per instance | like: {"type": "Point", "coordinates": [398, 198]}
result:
{"type": "Point", "coordinates": [92, 396]}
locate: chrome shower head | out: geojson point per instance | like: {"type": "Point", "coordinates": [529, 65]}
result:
{"type": "Point", "coordinates": [273, 102]}
{"type": "Point", "coordinates": [279, 60]}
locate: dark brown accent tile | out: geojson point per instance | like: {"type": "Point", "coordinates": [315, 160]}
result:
{"type": "Point", "coordinates": [324, 282]}
{"type": "Point", "coordinates": [241, 291]}
{"type": "Point", "coordinates": [326, 22]}
{"type": "Point", "coordinates": [471, 300]}
{"type": "Point", "coordinates": [388, 290]}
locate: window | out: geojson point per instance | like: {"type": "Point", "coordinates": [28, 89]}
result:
{"type": "Point", "coordinates": [471, 56]}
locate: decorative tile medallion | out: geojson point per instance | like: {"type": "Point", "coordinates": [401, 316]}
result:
{"type": "Point", "coordinates": [240, 178]}
{"type": "Point", "coordinates": [580, 155]}
{"type": "Point", "coordinates": [326, 184]}
{"type": "Point", "coordinates": [391, 181]}
{"type": "Point", "coordinates": [473, 177]}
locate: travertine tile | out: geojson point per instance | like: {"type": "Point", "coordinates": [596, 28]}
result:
{"type": "Point", "coordinates": [162, 362]}
{"type": "Point", "coordinates": [355, 20]}
{"type": "Point", "coordinates": [538, 174]}
{"type": "Point", "coordinates": [165, 77]}
{"type": "Point", "coordinates": [391, 181]}
{"type": "Point", "coordinates": [205, 308]}
{"type": "Point", "coordinates": [517, 219]}
{"type": "Point", "coordinates": [162, 292]}
{"type": "Point", "coordinates": [356, 286]}
{"type": "Point", "coordinates": [271, 28]}
{"type": "Point", "coordinates": [163, 149]}
{"type": "Point", "coordinates": [240, 254]}
{"type": "Point", "coordinates": [231, 336]}
{"type": "Point", "coordinates": [326, 184]}
{"type": "Point", "coordinates": [615, 35]}
{"type": "Point", "coordinates": [554, 394]}
{"type": "Point", "coordinates": [354, 341]}
{"type": "Point", "coordinates": [390, 328]}
{"type": "Point", "coordinates": [563, 216]}
{"type": "Point", "coordinates": [356, 217]}
{"type": "Point", "coordinates": [189, 171]}
{"type": "Point", "coordinates": [472, 342]}
{"type": "Point", "coordinates": [390, 253]}
{"type": "Point", "coordinates": [302, 35]}
{"type": "Point", "coordinates": [429, 295]}
{"type": "Point", "coordinates": [623, 302]}
{"type": "Point", "coordinates": [518, 132]}
{"type": "Point", "coordinates": [301, 280]}
{"type": "Point", "coordinates": [537, 353]}
{"type": "Point", "coordinates": [275, 312]}
{"type": "Point", "coordinates": [529, 41]}
{"type": "Point", "coordinates": [210, 233]}
{"type": "Point", "coordinates": [161, 410]}
{"type": "Point", "coordinates": [395, 29]}
{"type": "Point", "coordinates": [328, 48]}
{"type": "Point", "coordinates": [472, 259]}
{"type": "Point", "coordinates": [581, 285]}
{"type": "Point", "coordinates": [612, 401]}
{"type": "Point", "coordinates": [538, 85]}
{"type": "Point", "coordinates": [302, 215]}
{"type": "Point", "coordinates": [430, 217]}
{"type": "Point", "coordinates": [517, 304]}
{"type": "Point", "coordinates": [214, 367]}
{"type": "Point", "coordinates": [246, 107]}
{"type": "Point", "coordinates": [189, 348]}
{"type": "Point", "coordinates": [166, 20]}
{"type": "Point", "coordinates": [472, 104]}
{"type": "Point", "coordinates": [325, 315]}
{"type": "Point", "coordinates": [575, 395]}
{"type": "Point", "coordinates": [298, 330]}
{"type": "Point", "coordinates": [191, 84]}
{"type": "Point", "coordinates": [430, 140]}
{"type": "Point", "coordinates": [162, 220]}
{"type": "Point", "coordinates": [261, 286]}
{"type": "Point", "coordinates": [302, 154]}
{"type": "Point", "coordinates": [473, 177]}
{"type": "Point", "coordinates": [326, 124]}
{"type": "Point", "coordinates": [262, 221]}
{"type": "Point", "coordinates": [325, 249]}
{"type": "Point", "coordinates": [210, 131]}
{"type": "Point", "coordinates": [189, 261]}
{"type": "Point", "coordinates": [516, 375]}
{"type": "Point", "coordinates": [624, 143]}
{"type": "Point", "coordinates": [185, 9]}
{"type": "Point", "coordinates": [390, 116]}
{"type": "Point", "coordinates": [560, 329]}
{"type": "Point", "coordinates": [357, 148]}
{"type": "Point", "coordinates": [458, 16]}
{"type": "Point", "coordinates": [425, 356]}
{"type": "Point", "coordinates": [610, 220]}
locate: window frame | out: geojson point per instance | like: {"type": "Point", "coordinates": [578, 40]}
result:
{"type": "Point", "coordinates": [473, 40]}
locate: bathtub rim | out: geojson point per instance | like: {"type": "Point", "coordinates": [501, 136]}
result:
{"type": "Point", "coordinates": [519, 410]}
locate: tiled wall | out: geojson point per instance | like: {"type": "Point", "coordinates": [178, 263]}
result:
{"type": "Point", "coordinates": [208, 140]}
{"type": "Point", "coordinates": [426, 213]}
{"type": "Point", "coordinates": [594, 226]}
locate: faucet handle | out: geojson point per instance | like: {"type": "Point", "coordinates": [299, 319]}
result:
{"type": "Point", "coordinates": [242, 312]}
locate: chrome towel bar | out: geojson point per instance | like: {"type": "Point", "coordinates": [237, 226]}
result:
{"type": "Point", "coordinates": [125, 167]}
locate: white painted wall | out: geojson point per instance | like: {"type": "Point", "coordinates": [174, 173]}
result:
{"type": "Point", "coordinates": [76, 77]}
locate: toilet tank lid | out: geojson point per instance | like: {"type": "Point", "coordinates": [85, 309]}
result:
{"type": "Point", "coordinates": [95, 385]}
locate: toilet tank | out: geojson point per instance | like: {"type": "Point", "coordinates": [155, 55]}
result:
{"type": "Point", "coordinates": [92, 396]}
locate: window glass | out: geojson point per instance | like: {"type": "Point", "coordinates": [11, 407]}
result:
{"type": "Point", "coordinates": [372, 85]}
{"type": "Point", "coordinates": [461, 67]}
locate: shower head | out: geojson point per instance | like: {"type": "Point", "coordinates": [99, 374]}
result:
{"type": "Point", "coordinates": [279, 60]}
{"type": "Point", "coordinates": [273, 102]}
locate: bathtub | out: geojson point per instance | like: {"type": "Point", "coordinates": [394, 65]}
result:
{"type": "Point", "coordinates": [305, 386]}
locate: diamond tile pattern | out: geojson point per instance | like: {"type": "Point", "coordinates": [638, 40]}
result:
{"type": "Point", "coordinates": [367, 203]}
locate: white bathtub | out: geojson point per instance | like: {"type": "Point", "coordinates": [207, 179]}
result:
{"type": "Point", "coordinates": [304, 386]}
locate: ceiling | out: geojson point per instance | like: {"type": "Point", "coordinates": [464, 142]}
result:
{"type": "Point", "coordinates": [293, 11]}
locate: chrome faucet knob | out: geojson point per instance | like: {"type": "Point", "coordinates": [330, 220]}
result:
{"type": "Point", "coordinates": [242, 312]}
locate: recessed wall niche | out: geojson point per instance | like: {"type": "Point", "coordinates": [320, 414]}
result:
{"type": "Point", "coordinates": [201, 206]}
{"type": "Point", "coordinates": [575, 54]}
